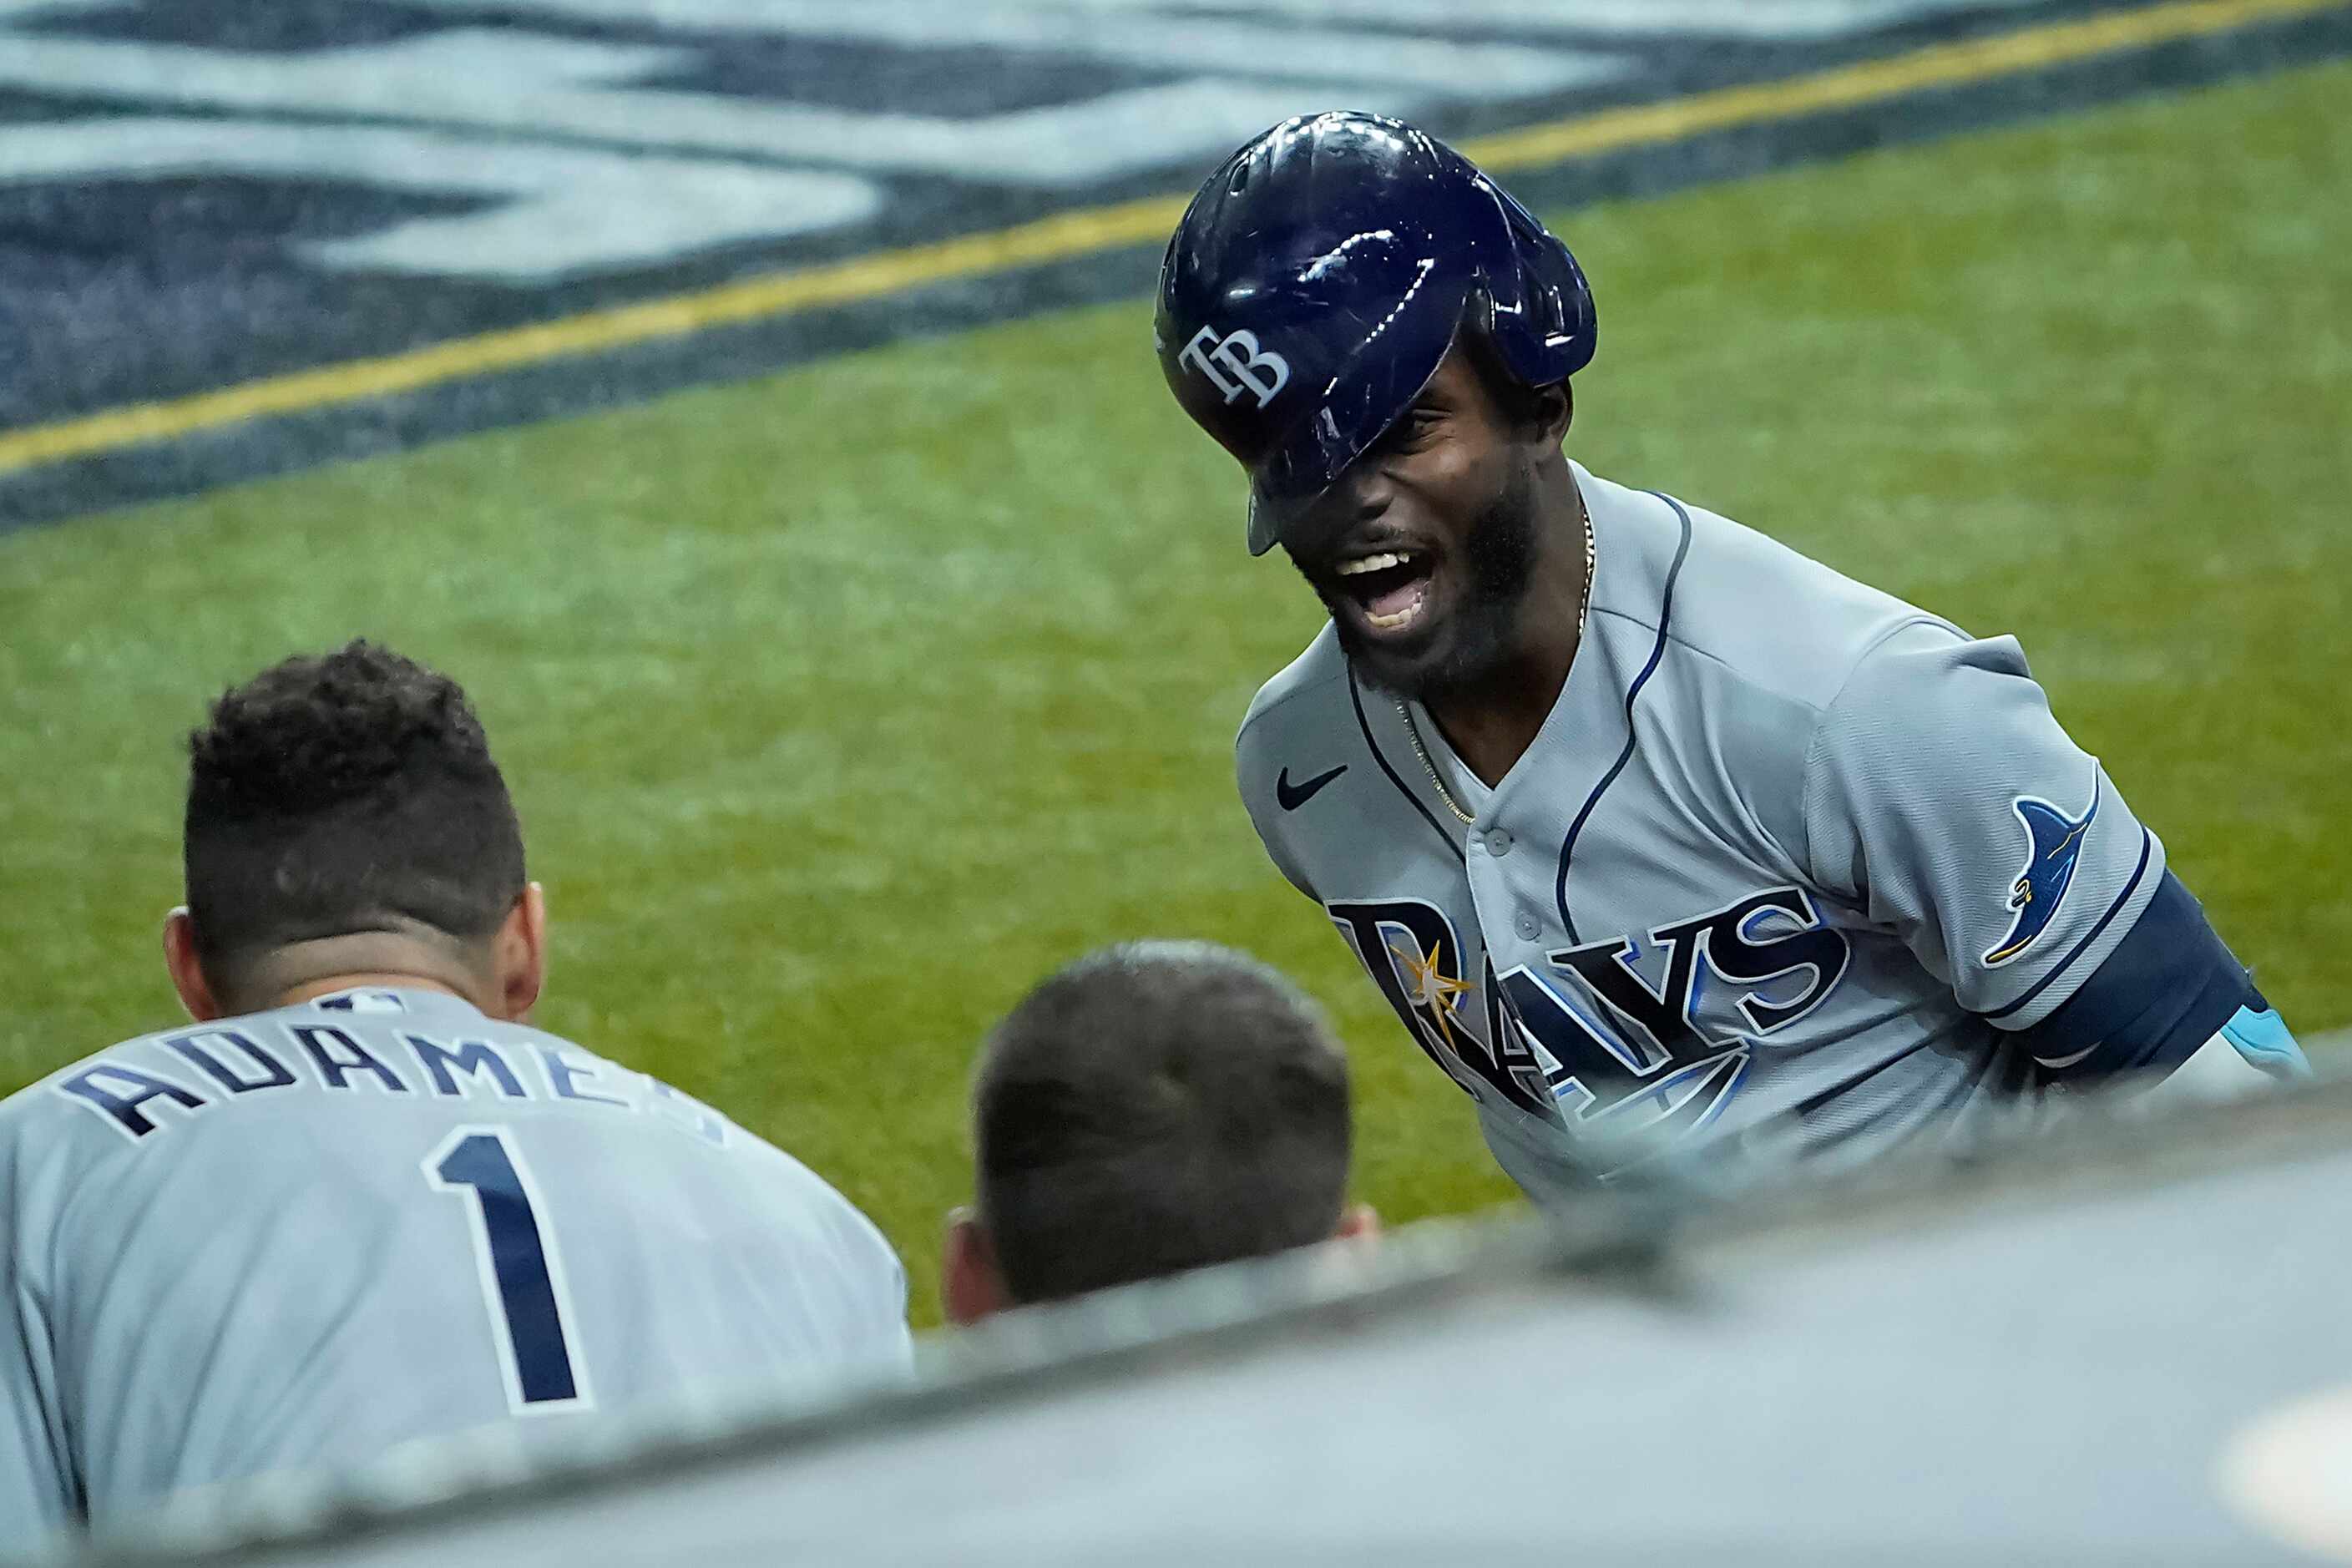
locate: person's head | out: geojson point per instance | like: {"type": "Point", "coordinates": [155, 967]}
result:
{"type": "Point", "coordinates": [1153, 1108]}
{"type": "Point", "coordinates": [344, 818]}
{"type": "Point", "coordinates": [1382, 338]}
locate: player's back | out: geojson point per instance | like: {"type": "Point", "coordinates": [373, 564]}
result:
{"type": "Point", "coordinates": [296, 1239]}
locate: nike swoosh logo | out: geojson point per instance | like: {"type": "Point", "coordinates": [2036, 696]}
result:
{"type": "Point", "coordinates": [1294, 795]}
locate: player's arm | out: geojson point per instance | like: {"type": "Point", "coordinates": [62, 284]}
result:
{"type": "Point", "coordinates": [1942, 794]}
{"type": "Point", "coordinates": [38, 1494]}
{"type": "Point", "coordinates": [34, 1503]}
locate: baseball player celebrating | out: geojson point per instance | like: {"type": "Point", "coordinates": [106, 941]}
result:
{"type": "Point", "coordinates": [1654, 832]}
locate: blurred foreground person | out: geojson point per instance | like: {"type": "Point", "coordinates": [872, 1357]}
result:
{"type": "Point", "coordinates": [1153, 1108]}
{"type": "Point", "coordinates": [361, 1201]}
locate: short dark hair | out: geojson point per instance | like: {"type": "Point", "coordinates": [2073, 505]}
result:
{"type": "Point", "coordinates": [344, 792]}
{"type": "Point", "coordinates": [1156, 1106]}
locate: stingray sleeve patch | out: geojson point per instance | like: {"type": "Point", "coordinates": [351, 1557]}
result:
{"type": "Point", "coordinates": [2054, 848]}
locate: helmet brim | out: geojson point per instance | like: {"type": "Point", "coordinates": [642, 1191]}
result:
{"type": "Point", "coordinates": [1391, 367]}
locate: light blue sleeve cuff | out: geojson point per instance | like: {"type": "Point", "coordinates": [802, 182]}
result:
{"type": "Point", "coordinates": [2263, 1040]}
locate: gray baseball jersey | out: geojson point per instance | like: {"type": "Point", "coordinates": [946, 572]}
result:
{"type": "Point", "coordinates": [296, 1239]}
{"type": "Point", "coordinates": [1789, 863]}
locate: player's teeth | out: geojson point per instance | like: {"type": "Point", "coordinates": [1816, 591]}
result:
{"type": "Point", "coordinates": [1398, 608]}
{"type": "Point", "coordinates": [1371, 563]}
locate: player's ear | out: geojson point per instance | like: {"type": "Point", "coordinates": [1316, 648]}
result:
{"type": "Point", "coordinates": [522, 954]}
{"type": "Point", "coordinates": [187, 974]}
{"type": "Point", "coordinates": [1555, 411]}
{"type": "Point", "coordinates": [1358, 1221]}
{"type": "Point", "coordinates": [970, 1287]}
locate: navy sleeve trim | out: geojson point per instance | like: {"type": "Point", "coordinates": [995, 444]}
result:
{"type": "Point", "coordinates": [1412, 799]}
{"type": "Point", "coordinates": [2147, 849]}
{"type": "Point", "coordinates": [1657, 652]}
{"type": "Point", "coordinates": [2169, 987]}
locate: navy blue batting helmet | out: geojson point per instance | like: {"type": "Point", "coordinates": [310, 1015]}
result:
{"type": "Point", "coordinates": [1317, 280]}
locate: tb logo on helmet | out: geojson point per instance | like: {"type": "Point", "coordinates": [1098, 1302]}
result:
{"type": "Point", "coordinates": [1235, 364]}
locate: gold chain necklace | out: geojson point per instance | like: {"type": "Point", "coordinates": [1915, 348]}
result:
{"type": "Point", "coordinates": [1412, 730]}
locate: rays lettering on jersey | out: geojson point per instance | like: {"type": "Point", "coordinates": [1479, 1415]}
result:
{"type": "Point", "coordinates": [1618, 1035]}
{"type": "Point", "coordinates": [1411, 951]}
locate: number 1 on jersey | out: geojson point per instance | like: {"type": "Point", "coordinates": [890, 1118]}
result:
{"type": "Point", "coordinates": [519, 1270]}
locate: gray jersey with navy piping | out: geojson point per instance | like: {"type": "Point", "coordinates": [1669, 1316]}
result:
{"type": "Point", "coordinates": [1787, 867]}
{"type": "Point", "coordinates": [299, 1238]}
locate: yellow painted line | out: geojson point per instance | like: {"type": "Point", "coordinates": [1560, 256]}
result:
{"type": "Point", "coordinates": [1056, 239]}
{"type": "Point", "coordinates": [1091, 230]}
{"type": "Point", "coordinates": [1871, 81]}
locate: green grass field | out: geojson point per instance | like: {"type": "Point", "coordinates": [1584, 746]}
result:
{"type": "Point", "coordinates": [842, 704]}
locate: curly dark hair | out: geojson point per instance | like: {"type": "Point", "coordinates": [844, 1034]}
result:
{"type": "Point", "coordinates": [1153, 1108]}
{"type": "Point", "coordinates": [344, 792]}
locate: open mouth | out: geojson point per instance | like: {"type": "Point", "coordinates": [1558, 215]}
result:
{"type": "Point", "coordinates": [1389, 588]}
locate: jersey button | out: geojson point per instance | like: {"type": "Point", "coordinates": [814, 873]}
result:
{"type": "Point", "coordinates": [1498, 842]}
{"type": "Point", "coordinates": [1527, 928]}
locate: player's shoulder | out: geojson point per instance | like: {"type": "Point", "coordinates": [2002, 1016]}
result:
{"type": "Point", "coordinates": [815, 1201]}
{"type": "Point", "coordinates": [48, 1140]}
{"type": "Point", "coordinates": [1772, 620]}
{"type": "Point", "coordinates": [1307, 700]}
{"type": "Point", "coordinates": [1311, 690]}
{"type": "Point", "coordinates": [33, 1102]}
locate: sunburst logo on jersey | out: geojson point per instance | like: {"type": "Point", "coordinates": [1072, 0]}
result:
{"type": "Point", "coordinates": [1429, 986]}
